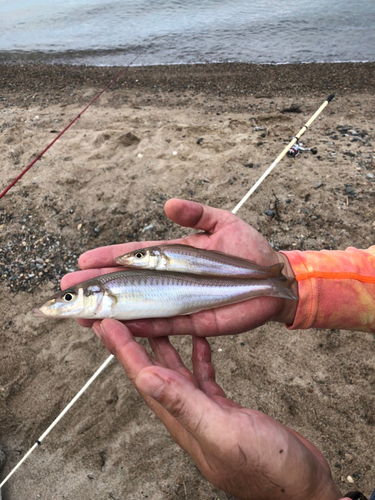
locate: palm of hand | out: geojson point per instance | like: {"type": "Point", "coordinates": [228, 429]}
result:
{"type": "Point", "coordinates": [223, 232]}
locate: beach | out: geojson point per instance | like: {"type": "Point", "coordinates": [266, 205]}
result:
{"type": "Point", "coordinates": [200, 132]}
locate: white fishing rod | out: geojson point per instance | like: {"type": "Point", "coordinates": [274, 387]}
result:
{"type": "Point", "coordinates": [283, 153]}
{"type": "Point", "coordinates": [66, 409]}
{"type": "Point", "coordinates": [109, 359]}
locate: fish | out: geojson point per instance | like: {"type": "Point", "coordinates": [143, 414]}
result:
{"type": "Point", "coordinates": [136, 294]}
{"type": "Point", "coordinates": [188, 259]}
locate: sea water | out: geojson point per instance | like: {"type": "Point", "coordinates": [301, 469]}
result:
{"type": "Point", "coordinates": [187, 31]}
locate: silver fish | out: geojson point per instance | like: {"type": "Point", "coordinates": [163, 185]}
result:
{"type": "Point", "coordinates": [151, 294]}
{"type": "Point", "coordinates": [188, 259]}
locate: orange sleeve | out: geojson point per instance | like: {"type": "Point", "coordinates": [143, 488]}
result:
{"type": "Point", "coordinates": [336, 289]}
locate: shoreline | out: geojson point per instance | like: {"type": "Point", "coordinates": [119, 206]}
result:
{"type": "Point", "coordinates": [68, 59]}
{"type": "Point", "coordinates": [220, 79]}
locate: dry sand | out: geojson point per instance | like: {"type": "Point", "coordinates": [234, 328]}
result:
{"type": "Point", "coordinates": [106, 182]}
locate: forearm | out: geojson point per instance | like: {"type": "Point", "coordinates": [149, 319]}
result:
{"type": "Point", "coordinates": [336, 289]}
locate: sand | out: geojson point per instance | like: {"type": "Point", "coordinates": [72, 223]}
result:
{"type": "Point", "coordinates": [198, 132]}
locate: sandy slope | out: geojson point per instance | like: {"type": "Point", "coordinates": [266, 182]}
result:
{"type": "Point", "coordinates": [106, 182]}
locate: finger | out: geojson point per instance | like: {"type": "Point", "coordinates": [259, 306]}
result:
{"type": "Point", "coordinates": [183, 212]}
{"type": "Point", "coordinates": [192, 214]}
{"type": "Point", "coordinates": [168, 357]}
{"type": "Point", "coordinates": [120, 342]}
{"type": "Point", "coordinates": [72, 279]}
{"type": "Point", "coordinates": [195, 411]}
{"type": "Point", "coordinates": [86, 323]}
{"type": "Point", "coordinates": [204, 372]}
{"type": "Point", "coordinates": [203, 369]}
{"type": "Point", "coordinates": [135, 360]}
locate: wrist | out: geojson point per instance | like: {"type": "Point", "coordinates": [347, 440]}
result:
{"type": "Point", "coordinates": [327, 491]}
{"type": "Point", "coordinates": [288, 310]}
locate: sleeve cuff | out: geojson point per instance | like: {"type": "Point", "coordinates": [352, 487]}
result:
{"type": "Point", "coordinates": [336, 289]}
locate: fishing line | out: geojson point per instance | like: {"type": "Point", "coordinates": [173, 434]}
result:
{"type": "Point", "coordinates": [109, 359]}
{"type": "Point", "coordinates": [67, 127]}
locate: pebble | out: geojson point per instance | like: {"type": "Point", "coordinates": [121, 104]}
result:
{"type": "Point", "coordinates": [348, 153]}
{"type": "Point", "coordinates": [270, 213]}
{"type": "Point", "coordinates": [148, 228]}
{"type": "Point", "coordinates": [350, 480]}
{"type": "Point", "coordinates": [48, 254]}
{"type": "Point", "coordinates": [369, 176]}
{"type": "Point", "coordinates": [358, 139]}
{"type": "Point", "coordinates": [318, 185]}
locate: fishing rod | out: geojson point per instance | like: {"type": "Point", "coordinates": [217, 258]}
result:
{"type": "Point", "coordinates": [110, 358]}
{"type": "Point", "coordinates": [67, 127]}
{"type": "Point", "coordinates": [283, 153]}
{"type": "Point", "coordinates": [38, 442]}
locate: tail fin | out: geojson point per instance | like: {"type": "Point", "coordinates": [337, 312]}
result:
{"type": "Point", "coordinates": [282, 288]}
{"type": "Point", "coordinates": [275, 270]}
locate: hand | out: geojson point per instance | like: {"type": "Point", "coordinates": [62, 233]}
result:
{"type": "Point", "coordinates": [243, 452]}
{"type": "Point", "coordinates": [224, 232]}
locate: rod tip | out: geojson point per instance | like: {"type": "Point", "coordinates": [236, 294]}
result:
{"type": "Point", "coordinates": [330, 97]}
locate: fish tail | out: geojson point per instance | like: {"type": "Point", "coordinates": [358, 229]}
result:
{"type": "Point", "coordinates": [275, 270]}
{"type": "Point", "coordinates": [282, 288]}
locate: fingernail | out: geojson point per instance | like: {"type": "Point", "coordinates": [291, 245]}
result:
{"type": "Point", "coordinates": [98, 329]}
{"type": "Point", "coordinates": [150, 383]}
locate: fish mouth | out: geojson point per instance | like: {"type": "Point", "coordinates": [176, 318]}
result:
{"type": "Point", "coordinates": [126, 264]}
{"type": "Point", "coordinates": [37, 312]}
{"type": "Point", "coordinates": [122, 260]}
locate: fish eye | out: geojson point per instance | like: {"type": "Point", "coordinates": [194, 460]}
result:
{"type": "Point", "coordinates": [139, 255]}
{"type": "Point", "coordinates": [69, 296]}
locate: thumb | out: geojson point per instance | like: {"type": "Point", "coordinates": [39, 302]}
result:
{"type": "Point", "coordinates": [195, 215]}
{"type": "Point", "coordinates": [194, 410]}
